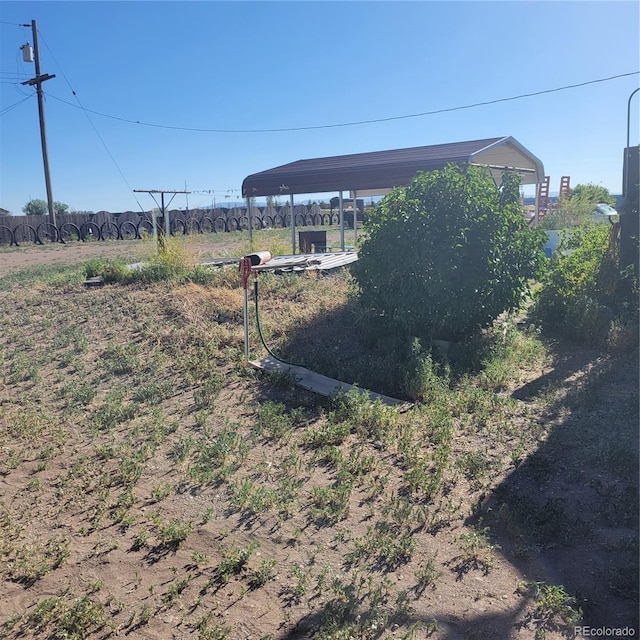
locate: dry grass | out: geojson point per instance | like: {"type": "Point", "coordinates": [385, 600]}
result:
{"type": "Point", "coordinates": [155, 486]}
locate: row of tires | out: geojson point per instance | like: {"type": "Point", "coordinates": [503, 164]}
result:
{"type": "Point", "coordinates": [90, 231]}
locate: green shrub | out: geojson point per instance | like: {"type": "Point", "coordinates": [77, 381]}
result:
{"type": "Point", "coordinates": [154, 272]}
{"type": "Point", "coordinates": [111, 270]}
{"type": "Point", "coordinates": [580, 292]}
{"type": "Point", "coordinates": [203, 274]}
{"type": "Point", "coordinates": [446, 255]}
{"type": "Point", "coordinates": [424, 379]}
{"type": "Point", "coordinates": [173, 259]}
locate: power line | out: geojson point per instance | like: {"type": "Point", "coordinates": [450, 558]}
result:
{"type": "Point", "coordinates": [358, 122]}
{"type": "Point", "coordinates": [104, 144]}
{"type": "Point", "coordinates": [13, 106]}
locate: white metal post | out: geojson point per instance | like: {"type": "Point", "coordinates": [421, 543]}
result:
{"type": "Point", "coordinates": [355, 219]}
{"type": "Point", "coordinates": [341, 207]}
{"type": "Point", "coordinates": [249, 222]}
{"type": "Point", "coordinates": [293, 225]}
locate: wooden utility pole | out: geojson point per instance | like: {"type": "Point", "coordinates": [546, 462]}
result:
{"type": "Point", "coordinates": [37, 81]}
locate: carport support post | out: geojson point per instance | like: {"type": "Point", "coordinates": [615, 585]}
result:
{"type": "Point", "coordinates": [355, 218]}
{"type": "Point", "coordinates": [293, 226]}
{"type": "Point", "coordinates": [340, 206]}
{"type": "Point", "coordinates": [249, 223]}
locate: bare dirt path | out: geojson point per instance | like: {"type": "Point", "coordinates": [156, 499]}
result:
{"type": "Point", "coordinates": [21, 257]}
{"type": "Point", "coordinates": [35, 255]}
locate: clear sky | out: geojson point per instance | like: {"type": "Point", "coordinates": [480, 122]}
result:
{"type": "Point", "coordinates": [239, 66]}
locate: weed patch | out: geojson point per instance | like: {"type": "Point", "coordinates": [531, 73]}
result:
{"type": "Point", "coordinates": [151, 481]}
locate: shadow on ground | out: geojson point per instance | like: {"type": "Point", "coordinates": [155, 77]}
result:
{"type": "Point", "coordinates": [568, 514]}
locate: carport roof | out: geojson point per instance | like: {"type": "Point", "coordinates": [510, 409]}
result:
{"type": "Point", "coordinates": [379, 171]}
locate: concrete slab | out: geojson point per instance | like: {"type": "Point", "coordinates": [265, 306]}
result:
{"type": "Point", "coordinates": [320, 384]}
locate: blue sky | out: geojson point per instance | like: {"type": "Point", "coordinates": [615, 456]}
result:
{"type": "Point", "coordinates": [274, 65]}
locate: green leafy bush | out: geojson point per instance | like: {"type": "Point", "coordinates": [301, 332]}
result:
{"type": "Point", "coordinates": [111, 270]}
{"type": "Point", "coordinates": [446, 255]}
{"type": "Point", "coordinates": [580, 291]}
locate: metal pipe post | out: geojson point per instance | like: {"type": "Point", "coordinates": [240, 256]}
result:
{"type": "Point", "coordinates": [293, 225]}
{"type": "Point", "coordinates": [245, 270]}
{"type": "Point", "coordinates": [249, 223]}
{"type": "Point", "coordinates": [355, 219]}
{"type": "Point", "coordinates": [341, 207]}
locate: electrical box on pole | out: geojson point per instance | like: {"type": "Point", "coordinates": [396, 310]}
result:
{"type": "Point", "coordinates": [27, 52]}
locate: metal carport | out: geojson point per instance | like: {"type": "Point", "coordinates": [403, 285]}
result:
{"type": "Point", "coordinates": [377, 172]}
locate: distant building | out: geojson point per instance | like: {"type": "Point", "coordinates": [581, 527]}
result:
{"type": "Point", "coordinates": [4, 212]}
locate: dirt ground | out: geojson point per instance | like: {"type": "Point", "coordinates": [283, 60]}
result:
{"type": "Point", "coordinates": [477, 601]}
{"type": "Point", "coordinates": [206, 246]}
{"type": "Point", "coordinates": [21, 257]}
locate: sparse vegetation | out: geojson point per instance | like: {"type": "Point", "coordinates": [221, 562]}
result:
{"type": "Point", "coordinates": [555, 609]}
{"type": "Point", "coordinates": [151, 478]}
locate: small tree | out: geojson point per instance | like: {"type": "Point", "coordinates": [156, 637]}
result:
{"type": "Point", "coordinates": [577, 208]}
{"type": "Point", "coordinates": [592, 194]}
{"type": "Point", "coordinates": [60, 208]}
{"type": "Point", "coordinates": [36, 207]}
{"type": "Point", "coordinates": [446, 255]}
{"type": "Point", "coordinates": [39, 207]}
